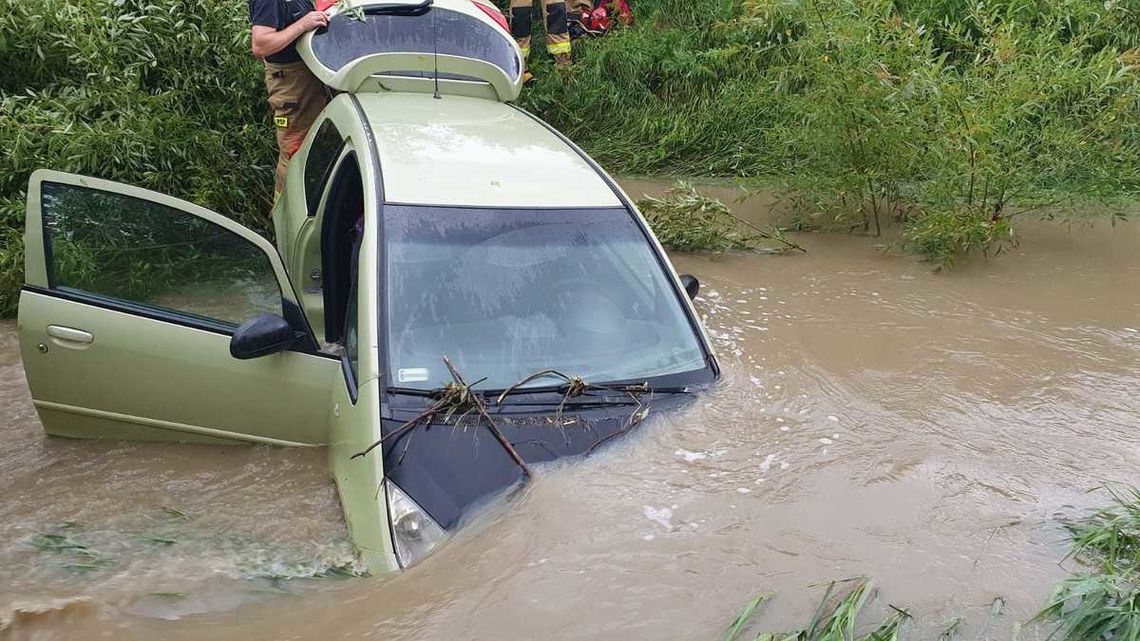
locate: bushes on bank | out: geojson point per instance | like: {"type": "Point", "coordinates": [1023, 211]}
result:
{"type": "Point", "coordinates": [951, 117]}
{"type": "Point", "coordinates": [160, 95]}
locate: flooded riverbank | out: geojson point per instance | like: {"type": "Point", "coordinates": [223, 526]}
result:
{"type": "Point", "coordinates": [926, 430]}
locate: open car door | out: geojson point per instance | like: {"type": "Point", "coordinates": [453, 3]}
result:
{"type": "Point", "coordinates": [126, 317]}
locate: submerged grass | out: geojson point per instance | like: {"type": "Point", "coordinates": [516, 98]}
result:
{"type": "Point", "coordinates": [174, 512]}
{"type": "Point", "coordinates": [1111, 536]}
{"type": "Point", "coordinates": [950, 629]}
{"type": "Point", "coordinates": [737, 626]}
{"type": "Point", "coordinates": [1102, 601]}
{"type": "Point", "coordinates": [686, 220]}
{"type": "Point", "coordinates": [834, 619]}
{"type": "Point", "coordinates": [890, 628]}
{"type": "Point", "coordinates": [840, 625]}
{"type": "Point", "coordinates": [1103, 607]}
{"type": "Point", "coordinates": [73, 554]}
{"type": "Point", "coordinates": [57, 543]}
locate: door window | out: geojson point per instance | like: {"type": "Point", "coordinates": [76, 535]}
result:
{"type": "Point", "coordinates": [326, 147]}
{"type": "Point", "coordinates": [116, 247]}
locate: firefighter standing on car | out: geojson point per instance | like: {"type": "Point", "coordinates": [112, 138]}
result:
{"type": "Point", "coordinates": [557, 28]}
{"type": "Point", "coordinates": [296, 96]}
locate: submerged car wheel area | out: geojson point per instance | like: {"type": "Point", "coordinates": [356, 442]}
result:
{"type": "Point", "coordinates": [439, 309]}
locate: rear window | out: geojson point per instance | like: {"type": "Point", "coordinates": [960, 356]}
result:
{"type": "Point", "coordinates": [447, 32]}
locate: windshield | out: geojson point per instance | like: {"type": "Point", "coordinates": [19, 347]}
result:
{"type": "Point", "coordinates": [505, 293]}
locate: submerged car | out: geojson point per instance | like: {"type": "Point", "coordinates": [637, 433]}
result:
{"type": "Point", "coordinates": [455, 286]}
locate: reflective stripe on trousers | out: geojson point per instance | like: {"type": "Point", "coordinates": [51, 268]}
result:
{"type": "Point", "coordinates": [557, 27]}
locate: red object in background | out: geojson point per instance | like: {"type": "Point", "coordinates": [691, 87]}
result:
{"type": "Point", "coordinates": [325, 5]}
{"type": "Point", "coordinates": [494, 14]}
{"type": "Point", "coordinates": [623, 12]}
{"type": "Point", "coordinates": [599, 20]}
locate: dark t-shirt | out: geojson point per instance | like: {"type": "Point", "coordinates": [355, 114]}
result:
{"type": "Point", "coordinates": [279, 14]}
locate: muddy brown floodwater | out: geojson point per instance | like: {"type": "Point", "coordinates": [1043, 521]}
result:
{"type": "Point", "coordinates": [926, 430]}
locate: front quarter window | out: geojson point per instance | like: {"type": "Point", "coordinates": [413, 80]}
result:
{"type": "Point", "coordinates": [326, 147]}
{"type": "Point", "coordinates": [505, 293]}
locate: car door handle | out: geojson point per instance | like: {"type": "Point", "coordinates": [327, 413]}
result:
{"type": "Point", "coordinates": [69, 336]}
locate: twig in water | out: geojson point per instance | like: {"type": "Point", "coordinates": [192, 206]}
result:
{"type": "Point", "coordinates": [456, 398]}
{"type": "Point", "coordinates": [636, 417]}
{"type": "Point", "coordinates": [482, 409]}
{"type": "Point", "coordinates": [533, 377]}
{"type": "Point", "coordinates": [425, 415]}
{"type": "Point", "coordinates": [575, 387]}
{"type": "Point", "coordinates": [776, 234]}
{"type": "Point", "coordinates": [986, 545]}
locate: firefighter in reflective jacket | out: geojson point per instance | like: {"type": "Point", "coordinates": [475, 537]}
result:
{"type": "Point", "coordinates": [557, 28]}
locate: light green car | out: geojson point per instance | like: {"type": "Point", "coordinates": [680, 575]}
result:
{"type": "Point", "coordinates": [424, 218]}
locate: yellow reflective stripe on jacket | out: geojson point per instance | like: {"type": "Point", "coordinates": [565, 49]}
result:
{"type": "Point", "coordinates": [558, 48]}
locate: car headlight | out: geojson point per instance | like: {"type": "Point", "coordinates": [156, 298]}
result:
{"type": "Point", "coordinates": [414, 532]}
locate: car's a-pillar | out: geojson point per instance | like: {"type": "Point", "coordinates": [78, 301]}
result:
{"type": "Point", "coordinates": [359, 480]}
{"type": "Point", "coordinates": [356, 420]}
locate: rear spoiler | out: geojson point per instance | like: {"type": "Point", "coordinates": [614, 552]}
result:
{"type": "Point", "coordinates": [449, 46]}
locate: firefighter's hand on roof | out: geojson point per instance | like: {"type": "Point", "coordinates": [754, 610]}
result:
{"type": "Point", "coordinates": [314, 20]}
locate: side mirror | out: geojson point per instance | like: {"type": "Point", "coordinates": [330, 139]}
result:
{"type": "Point", "coordinates": [261, 336]}
{"type": "Point", "coordinates": [692, 285]}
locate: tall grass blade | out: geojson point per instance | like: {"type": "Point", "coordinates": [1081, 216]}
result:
{"type": "Point", "coordinates": [950, 629]}
{"type": "Point", "coordinates": [742, 619]}
{"type": "Point", "coordinates": [1103, 604]}
{"type": "Point", "coordinates": [889, 629]}
{"type": "Point", "coordinates": [840, 626]}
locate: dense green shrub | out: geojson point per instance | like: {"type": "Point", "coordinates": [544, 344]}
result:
{"type": "Point", "coordinates": [949, 116]}
{"type": "Point", "coordinates": [160, 95]}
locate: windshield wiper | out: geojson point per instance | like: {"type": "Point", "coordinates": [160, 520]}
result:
{"type": "Point", "coordinates": [592, 395]}
{"type": "Point", "coordinates": [616, 395]}
{"type": "Point", "coordinates": [413, 391]}
{"type": "Point", "coordinates": [398, 9]}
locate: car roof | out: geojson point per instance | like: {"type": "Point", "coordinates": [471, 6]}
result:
{"type": "Point", "coordinates": [463, 151]}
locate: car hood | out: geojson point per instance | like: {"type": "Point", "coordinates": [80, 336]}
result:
{"type": "Point", "coordinates": [449, 468]}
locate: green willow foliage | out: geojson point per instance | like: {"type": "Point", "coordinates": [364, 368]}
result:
{"type": "Point", "coordinates": [685, 220]}
{"type": "Point", "coordinates": [949, 116]}
{"type": "Point", "coordinates": [160, 95]}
